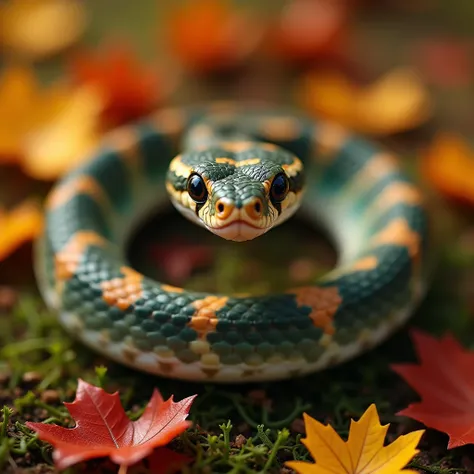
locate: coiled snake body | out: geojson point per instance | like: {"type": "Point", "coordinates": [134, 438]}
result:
{"type": "Point", "coordinates": [242, 170]}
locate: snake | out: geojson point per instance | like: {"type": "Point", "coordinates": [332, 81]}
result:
{"type": "Point", "coordinates": [237, 169]}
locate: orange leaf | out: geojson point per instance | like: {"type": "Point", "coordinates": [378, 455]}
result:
{"type": "Point", "coordinates": [130, 89]}
{"type": "Point", "coordinates": [445, 383]}
{"type": "Point", "coordinates": [22, 224]}
{"type": "Point", "coordinates": [396, 102]}
{"type": "Point", "coordinates": [212, 35]}
{"type": "Point", "coordinates": [103, 429]}
{"type": "Point", "coordinates": [448, 164]}
{"type": "Point", "coordinates": [39, 28]}
{"type": "Point", "coordinates": [66, 140]}
{"type": "Point", "coordinates": [26, 108]}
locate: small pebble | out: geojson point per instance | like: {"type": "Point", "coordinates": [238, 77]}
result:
{"type": "Point", "coordinates": [8, 298]}
{"type": "Point", "coordinates": [239, 441]}
{"type": "Point", "coordinates": [298, 426]}
{"type": "Point", "coordinates": [50, 396]}
{"type": "Point", "coordinates": [32, 377]}
{"type": "Point", "coordinates": [4, 377]}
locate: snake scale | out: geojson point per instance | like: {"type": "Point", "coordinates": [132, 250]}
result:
{"type": "Point", "coordinates": [238, 170]}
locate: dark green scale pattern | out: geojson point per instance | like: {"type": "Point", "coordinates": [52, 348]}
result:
{"type": "Point", "coordinates": [112, 174]}
{"type": "Point", "coordinates": [160, 320]}
{"type": "Point", "coordinates": [251, 330]}
{"type": "Point", "coordinates": [82, 294]}
{"type": "Point", "coordinates": [369, 296]}
{"type": "Point", "coordinates": [267, 326]}
{"type": "Point", "coordinates": [80, 213]}
{"type": "Point", "coordinates": [155, 150]}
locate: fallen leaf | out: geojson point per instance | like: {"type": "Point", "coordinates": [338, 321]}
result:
{"type": "Point", "coordinates": [166, 461]}
{"type": "Point", "coordinates": [37, 29]}
{"type": "Point", "coordinates": [394, 103]}
{"type": "Point", "coordinates": [448, 164]}
{"type": "Point", "coordinates": [53, 149]}
{"type": "Point", "coordinates": [28, 108]}
{"type": "Point", "coordinates": [178, 260]}
{"type": "Point", "coordinates": [310, 29]}
{"type": "Point", "coordinates": [22, 224]}
{"type": "Point", "coordinates": [363, 453]}
{"type": "Point", "coordinates": [445, 383]}
{"type": "Point", "coordinates": [103, 429]}
{"type": "Point", "coordinates": [130, 90]}
{"type": "Point", "coordinates": [24, 106]}
{"type": "Point", "coordinates": [212, 35]}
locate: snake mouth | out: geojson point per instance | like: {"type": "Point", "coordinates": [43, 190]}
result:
{"type": "Point", "coordinates": [238, 231]}
{"type": "Point", "coordinates": [237, 222]}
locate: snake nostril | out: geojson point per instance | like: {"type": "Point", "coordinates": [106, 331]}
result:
{"type": "Point", "coordinates": [254, 208]}
{"type": "Point", "coordinates": [224, 209]}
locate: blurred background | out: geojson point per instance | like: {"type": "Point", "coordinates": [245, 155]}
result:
{"type": "Point", "coordinates": [400, 72]}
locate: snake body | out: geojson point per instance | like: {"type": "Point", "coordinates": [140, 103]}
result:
{"type": "Point", "coordinates": [357, 190]}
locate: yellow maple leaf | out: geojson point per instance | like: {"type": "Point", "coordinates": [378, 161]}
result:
{"type": "Point", "coordinates": [63, 142]}
{"type": "Point", "coordinates": [364, 451]}
{"type": "Point", "coordinates": [396, 102]}
{"type": "Point", "coordinates": [22, 224]}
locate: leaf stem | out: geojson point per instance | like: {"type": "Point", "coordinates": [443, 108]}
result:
{"type": "Point", "coordinates": [123, 469]}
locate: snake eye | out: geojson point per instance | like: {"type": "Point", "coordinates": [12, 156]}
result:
{"type": "Point", "coordinates": [197, 189]}
{"type": "Point", "coordinates": [280, 187]}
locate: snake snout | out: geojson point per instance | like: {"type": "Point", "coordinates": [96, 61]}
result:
{"type": "Point", "coordinates": [224, 208]}
{"type": "Point", "coordinates": [253, 208]}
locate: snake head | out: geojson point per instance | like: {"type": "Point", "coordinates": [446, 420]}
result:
{"type": "Point", "coordinates": [237, 195]}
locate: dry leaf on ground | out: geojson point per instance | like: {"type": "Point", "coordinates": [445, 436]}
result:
{"type": "Point", "coordinates": [363, 453]}
{"type": "Point", "coordinates": [444, 379]}
{"type": "Point", "coordinates": [103, 428]}
{"type": "Point", "coordinates": [21, 224]}
{"type": "Point", "coordinates": [394, 103]}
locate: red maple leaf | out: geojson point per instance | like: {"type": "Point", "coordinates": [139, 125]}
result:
{"type": "Point", "coordinates": [103, 429]}
{"type": "Point", "coordinates": [445, 383]}
{"type": "Point", "coordinates": [129, 89]}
